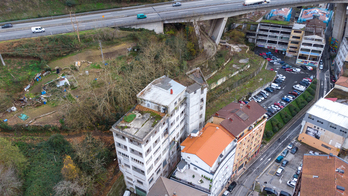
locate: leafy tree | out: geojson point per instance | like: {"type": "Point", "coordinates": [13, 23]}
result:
{"type": "Point", "coordinates": [236, 36]}
{"type": "Point", "coordinates": [10, 184]}
{"type": "Point", "coordinates": [268, 134]}
{"type": "Point", "coordinates": [276, 125]}
{"type": "Point", "coordinates": [10, 156]}
{"type": "Point", "coordinates": [293, 110]}
{"type": "Point", "coordinates": [301, 103]}
{"type": "Point", "coordinates": [311, 91]}
{"type": "Point", "coordinates": [285, 116]}
{"type": "Point", "coordinates": [69, 170]}
{"type": "Point", "coordinates": [309, 98]}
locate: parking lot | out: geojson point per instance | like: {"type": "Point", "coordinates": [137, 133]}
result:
{"type": "Point", "coordinates": [292, 78]}
{"type": "Point", "coordinates": [279, 183]}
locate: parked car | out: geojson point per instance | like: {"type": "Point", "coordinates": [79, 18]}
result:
{"type": "Point", "coordinates": [293, 93]}
{"type": "Point", "coordinates": [7, 25]}
{"type": "Point", "coordinates": [268, 89]}
{"type": "Point", "coordinates": [292, 97]}
{"type": "Point", "coordinates": [295, 176]}
{"type": "Point", "coordinates": [299, 169]}
{"type": "Point", "coordinates": [141, 16]}
{"type": "Point", "coordinates": [294, 150]}
{"type": "Point", "coordinates": [296, 69]}
{"type": "Point", "coordinates": [279, 159]}
{"type": "Point", "coordinates": [285, 152]}
{"type": "Point", "coordinates": [270, 191]}
{"type": "Point", "coordinates": [271, 110]}
{"type": "Point", "coordinates": [279, 105]}
{"type": "Point", "coordinates": [298, 92]}
{"type": "Point", "coordinates": [288, 69]}
{"type": "Point", "coordinates": [232, 186]}
{"type": "Point", "coordinates": [299, 87]}
{"type": "Point", "coordinates": [304, 83]}
{"type": "Point", "coordinates": [269, 114]}
{"type": "Point", "coordinates": [283, 193]}
{"type": "Point", "coordinates": [261, 97]}
{"type": "Point", "coordinates": [284, 163]}
{"type": "Point", "coordinates": [226, 193]}
{"type": "Point", "coordinates": [303, 67]}
{"type": "Point", "coordinates": [291, 183]}
{"type": "Point", "coordinates": [310, 80]}
{"type": "Point", "coordinates": [280, 171]}
{"type": "Point", "coordinates": [264, 56]}
{"type": "Point", "coordinates": [290, 146]}
{"type": "Point", "coordinates": [309, 68]}
{"type": "Point", "coordinates": [263, 91]}
{"type": "Point", "coordinates": [176, 4]}
{"type": "Point", "coordinates": [282, 62]}
{"type": "Point", "coordinates": [286, 99]}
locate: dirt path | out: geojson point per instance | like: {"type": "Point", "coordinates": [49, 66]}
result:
{"type": "Point", "coordinates": [93, 55]}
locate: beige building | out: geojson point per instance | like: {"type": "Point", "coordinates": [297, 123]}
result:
{"type": "Point", "coordinates": [325, 126]}
{"type": "Point", "coordinates": [295, 40]}
{"type": "Point", "coordinates": [246, 122]}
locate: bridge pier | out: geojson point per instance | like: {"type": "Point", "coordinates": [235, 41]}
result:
{"type": "Point", "coordinates": [339, 21]}
{"type": "Point", "coordinates": [217, 28]}
{"type": "Point", "coordinates": [156, 26]}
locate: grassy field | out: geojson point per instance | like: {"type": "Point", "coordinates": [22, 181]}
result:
{"type": "Point", "coordinates": [16, 10]}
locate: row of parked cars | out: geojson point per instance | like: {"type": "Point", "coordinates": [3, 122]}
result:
{"type": "Point", "coordinates": [271, 58]}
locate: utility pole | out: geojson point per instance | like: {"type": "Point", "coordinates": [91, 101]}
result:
{"type": "Point", "coordinates": [101, 50]}
{"type": "Point", "coordinates": [2, 60]}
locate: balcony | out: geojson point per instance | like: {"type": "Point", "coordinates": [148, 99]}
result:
{"type": "Point", "coordinates": [186, 178]}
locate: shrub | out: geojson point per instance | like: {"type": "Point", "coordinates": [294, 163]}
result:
{"type": "Point", "coordinates": [301, 103]}
{"type": "Point", "coordinates": [293, 110]}
{"type": "Point", "coordinates": [129, 118]}
{"type": "Point", "coordinates": [285, 116]}
{"type": "Point", "coordinates": [268, 134]}
{"type": "Point", "coordinates": [309, 98]}
{"type": "Point", "coordinates": [311, 91]}
{"type": "Point", "coordinates": [276, 125]}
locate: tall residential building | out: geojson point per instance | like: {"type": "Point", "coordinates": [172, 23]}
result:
{"type": "Point", "coordinates": [147, 138]}
{"type": "Point", "coordinates": [206, 159]}
{"type": "Point", "coordinates": [341, 58]}
{"type": "Point", "coordinates": [325, 126]}
{"type": "Point", "coordinates": [246, 123]}
{"type": "Point", "coordinates": [313, 43]}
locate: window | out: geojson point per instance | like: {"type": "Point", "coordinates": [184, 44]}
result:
{"type": "Point", "coordinates": [129, 178]}
{"type": "Point", "coordinates": [137, 161]}
{"type": "Point", "coordinates": [150, 180]}
{"type": "Point", "coordinates": [201, 108]}
{"type": "Point", "coordinates": [140, 182]}
{"type": "Point", "coordinates": [200, 116]}
{"type": "Point", "coordinates": [319, 121]}
{"type": "Point", "coordinates": [202, 100]}
{"type": "Point", "coordinates": [175, 103]}
{"type": "Point", "coordinates": [138, 170]}
{"type": "Point", "coordinates": [127, 165]}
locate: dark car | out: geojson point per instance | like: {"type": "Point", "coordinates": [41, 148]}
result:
{"type": "Point", "coordinates": [269, 114]}
{"type": "Point", "coordinates": [268, 89]}
{"type": "Point", "coordinates": [294, 150]}
{"type": "Point", "coordinates": [176, 4]}
{"type": "Point", "coordinates": [271, 110]}
{"type": "Point", "coordinates": [284, 163]}
{"type": "Point", "coordinates": [303, 67]}
{"type": "Point", "coordinates": [298, 92]}
{"type": "Point", "coordinates": [270, 191]}
{"type": "Point", "coordinates": [279, 159]}
{"type": "Point", "coordinates": [303, 83]}
{"type": "Point", "coordinates": [293, 93]}
{"type": "Point", "coordinates": [8, 25]}
{"type": "Point", "coordinates": [283, 193]}
{"type": "Point", "coordinates": [282, 62]}
{"type": "Point", "coordinates": [264, 56]}
{"type": "Point", "coordinates": [232, 186]}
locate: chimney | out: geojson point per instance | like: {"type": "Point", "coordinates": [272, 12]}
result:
{"type": "Point", "coordinates": [341, 188]}
{"type": "Point", "coordinates": [174, 193]}
{"type": "Point", "coordinates": [216, 114]}
{"type": "Point", "coordinates": [230, 119]}
{"type": "Point", "coordinates": [248, 106]}
{"type": "Point", "coordinates": [171, 91]}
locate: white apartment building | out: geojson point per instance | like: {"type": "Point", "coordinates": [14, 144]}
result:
{"type": "Point", "coordinates": [147, 138]}
{"type": "Point", "coordinates": [312, 45]}
{"type": "Point", "coordinates": [207, 158]}
{"type": "Point", "coordinates": [341, 58]}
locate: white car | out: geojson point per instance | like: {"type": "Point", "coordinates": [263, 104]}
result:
{"type": "Point", "coordinates": [296, 69]}
{"type": "Point", "coordinates": [299, 87]}
{"type": "Point", "coordinates": [321, 66]}
{"type": "Point", "coordinates": [226, 193]}
{"type": "Point", "coordinates": [280, 171]}
{"type": "Point", "coordinates": [37, 29]}
{"type": "Point", "coordinates": [291, 183]}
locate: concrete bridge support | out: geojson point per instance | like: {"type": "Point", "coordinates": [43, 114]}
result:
{"type": "Point", "coordinates": [156, 26]}
{"type": "Point", "coordinates": [198, 34]}
{"type": "Point", "coordinates": [217, 28]}
{"type": "Point", "coordinates": [339, 22]}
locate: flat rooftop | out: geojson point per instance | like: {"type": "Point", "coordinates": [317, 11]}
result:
{"type": "Point", "coordinates": [139, 122]}
{"type": "Point", "coordinates": [162, 91]}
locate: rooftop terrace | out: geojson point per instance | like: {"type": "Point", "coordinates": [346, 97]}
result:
{"type": "Point", "coordinates": [139, 121]}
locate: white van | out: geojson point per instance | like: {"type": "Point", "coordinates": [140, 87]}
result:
{"type": "Point", "coordinates": [126, 193]}
{"type": "Point", "coordinates": [275, 86]}
{"type": "Point", "coordinates": [37, 29]}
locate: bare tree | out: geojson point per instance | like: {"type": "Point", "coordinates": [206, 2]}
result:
{"type": "Point", "coordinates": [65, 188]}
{"type": "Point", "coordinates": [10, 184]}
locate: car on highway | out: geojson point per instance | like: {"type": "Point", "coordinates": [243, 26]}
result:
{"type": "Point", "coordinates": [280, 171]}
{"type": "Point", "coordinates": [284, 163]}
{"type": "Point", "coordinates": [141, 16]}
{"type": "Point", "coordinates": [176, 4]}
{"type": "Point", "coordinates": [294, 150]}
{"type": "Point", "coordinates": [299, 87]}
{"type": "Point", "coordinates": [7, 25]}
{"type": "Point", "coordinates": [37, 29]}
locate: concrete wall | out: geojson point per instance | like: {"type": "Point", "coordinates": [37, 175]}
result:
{"type": "Point", "coordinates": [196, 109]}
{"type": "Point", "coordinates": [339, 21]}
{"type": "Point", "coordinates": [156, 26]}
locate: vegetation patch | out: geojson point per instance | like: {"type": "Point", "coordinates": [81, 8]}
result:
{"type": "Point", "coordinates": [275, 22]}
{"type": "Point", "coordinates": [129, 118]}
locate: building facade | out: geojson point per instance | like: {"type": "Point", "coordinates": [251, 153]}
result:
{"type": "Point", "coordinates": [295, 40]}
{"type": "Point", "coordinates": [245, 122]}
{"type": "Point", "coordinates": [273, 36]}
{"type": "Point", "coordinates": [341, 58]}
{"type": "Point", "coordinates": [207, 159]}
{"type": "Point", "coordinates": [147, 138]}
{"type": "Point", "coordinates": [325, 126]}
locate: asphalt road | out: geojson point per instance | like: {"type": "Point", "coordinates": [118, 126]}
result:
{"type": "Point", "coordinates": [126, 17]}
{"type": "Point", "coordinates": [246, 181]}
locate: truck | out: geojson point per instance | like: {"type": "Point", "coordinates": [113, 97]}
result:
{"type": "Point", "coordinates": [252, 2]}
{"type": "Point", "coordinates": [37, 29]}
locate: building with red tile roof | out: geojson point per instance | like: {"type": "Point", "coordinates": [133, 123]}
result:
{"type": "Point", "coordinates": [245, 122]}
{"type": "Point", "coordinates": [207, 158]}
{"type": "Point", "coordinates": [323, 175]}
